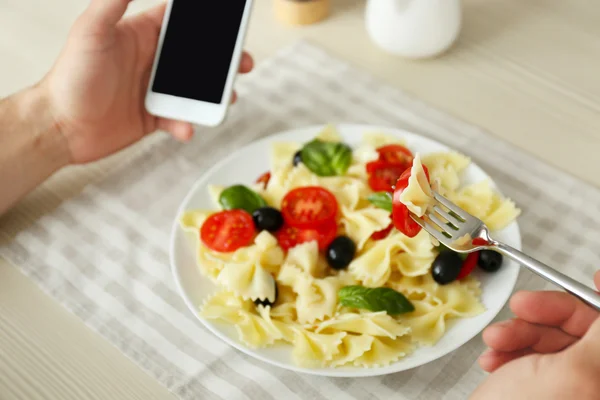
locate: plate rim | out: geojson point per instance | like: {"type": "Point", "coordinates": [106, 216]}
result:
{"type": "Point", "coordinates": [327, 372]}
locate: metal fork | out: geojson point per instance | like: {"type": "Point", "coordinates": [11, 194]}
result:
{"type": "Point", "coordinates": [457, 229]}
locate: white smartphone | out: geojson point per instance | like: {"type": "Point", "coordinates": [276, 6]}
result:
{"type": "Point", "coordinates": [198, 56]}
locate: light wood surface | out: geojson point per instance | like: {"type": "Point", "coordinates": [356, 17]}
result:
{"type": "Point", "coordinates": [526, 71]}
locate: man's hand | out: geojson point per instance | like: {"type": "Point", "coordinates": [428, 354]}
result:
{"type": "Point", "coordinates": [551, 350]}
{"type": "Point", "coordinates": [97, 87]}
{"type": "Point", "coordinates": [90, 105]}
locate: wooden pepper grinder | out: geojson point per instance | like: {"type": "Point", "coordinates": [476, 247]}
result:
{"type": "Point", "coordinates": [301, 12]}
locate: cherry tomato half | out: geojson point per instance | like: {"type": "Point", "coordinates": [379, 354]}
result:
{"type": "Point", "coordinates": [290, 236]}
{"type": "Point", "coordinates": [309, 207]}
{"type": "Point", "coordinates": [383, 175]}
{"type": "Point", "coordinates": [227, 231]}
{"type": "Point", "coordinates": [382, 234]}
{"type": "Point", "coordinates": [264, 179]}
{"type": "Point", "coordinates": [400, 215]}
{"type": "Point", "coordinates": [396, 154]}
{"type": "Point", "coordinates": [468, 265]}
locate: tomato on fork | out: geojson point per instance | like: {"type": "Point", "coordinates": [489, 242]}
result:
{"type": "Point", "coordinates": [309, 207]}
{"type": "Point", "coordinates": [227, 231]}
{"type": "Point", "coordinates": [400, 214]}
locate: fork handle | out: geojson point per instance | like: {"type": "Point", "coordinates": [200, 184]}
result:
{"type": "Point", "coordinates": [584, 293]}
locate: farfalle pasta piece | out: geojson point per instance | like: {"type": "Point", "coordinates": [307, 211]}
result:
{"type": "Point", "coordinates": [192, 220]}
{"type": "Point", "coordinates": [411, 265]}
{"type": "Point", "coordinates": [371, 323]}
{"type": "Point", "coordinates": [248, 280]}
{"type": "Point", "coordinates": [385, 351]}
{"type": "Point", "coordinates": [349, 192]}
{"type": "Point", "coordinates": [375, 266]}
{"type": "Point", "coordinates": [445, 169]}
{"type": "Point", "coordinates": [247, 272]}
{"type": "Point", "coordinates": [210, 265]}
{"type": "Point", "coordinates": [360, 224]}
{"type": "Point", "coordinates": [317, 298]}
{"type": "Point", "coordinates": [281, 155]}
{"type": "Point", "coordinates": [476, 198]}
{"type": "Point", "coordinates": [301, 259]}
{"type": "Point", "coordinates": [329, 134]}
{"type": "Point", "coordinates": [314, 350]}
{"type": "Point", "coordinates": [254, 329]}
{"type": "Point", "coordinates": [428, 321]}
{"type": "Point", "coordinates": [258, 331]}
{"type": "Point", "coordinates": [421, 287]}
{"type": "Point", "coordinates": [375, 139]}
{"type": "Point", "coordinates": [300, 176]}
{"type": "Point", "coordinates": [351, 348]}
{"type": "Point", "coordinates": [502, 212]}
{"type": "Point", "coordinates": [225, 306]}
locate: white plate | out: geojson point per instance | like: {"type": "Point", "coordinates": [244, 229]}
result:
{"type": "Point", "coordinates": [244, 166]}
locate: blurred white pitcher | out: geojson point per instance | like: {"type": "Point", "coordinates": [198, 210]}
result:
{"type": "Point", "coordinates": [414, 28]}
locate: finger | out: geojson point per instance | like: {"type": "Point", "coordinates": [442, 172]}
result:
{"type": "Point", "coordinates": [491, 360]}
{"type": "Point", "coordinates": [234, 97]}
{"type": "Point", "coordinates": [182, 131]}
{"type": "Point", "coordinates": [557, 309]}
{"type": "Point", "coordinates": [597, 280]}
{"type": "Point", "coordinates": [154, 16]}
{"type": "Point", "coordinates": [105, 13]}
{"type": "Point", "coordinates": [517, 334]}
{"type": "Point", "coordinates": [247, 63]}
{"type": "Point", "coordinates": [590, 344]}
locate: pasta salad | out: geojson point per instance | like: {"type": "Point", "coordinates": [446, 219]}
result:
{"type": "Point", "coordinates": [321, 254]}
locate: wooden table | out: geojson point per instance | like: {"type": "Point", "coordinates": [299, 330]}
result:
{"type": "Point", "coordinates": [526, 71]}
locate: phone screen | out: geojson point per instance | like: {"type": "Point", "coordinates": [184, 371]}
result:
{"type": "Point", "coordinates": [197, 49]}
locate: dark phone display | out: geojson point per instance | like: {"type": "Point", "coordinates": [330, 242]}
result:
{"type": "Point", "coordinates": [197, 48]}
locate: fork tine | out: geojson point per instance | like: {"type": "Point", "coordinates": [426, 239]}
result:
{"type": "Point", "coordinates": [436, 220]}
{"type": "Point", "coordinates": [453, 219]}
{"type": "Point", "coordinates": [451, 206]}
{"type": "Point", "coordinates": [430, 228]}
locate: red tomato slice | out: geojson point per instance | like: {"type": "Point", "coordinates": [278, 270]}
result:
{"type": "Point", "coordinates": [382, 234]}
{"type": "Point", "coordinates": [309, 207]}
{"type": "Point", "coordinates": [468, 265]}
{"type": "Point", "coordinates": [395, 154]}
{"type": "Point", "coordinates": [400, 215]}
{"type": "Point", "coordinates": [383, 175]}
{"type": "Point", "coordinates": [290, 236]}
{"type": "Point", "coordinates": [480, 242]}
{"type": "Point", "coordinates": [227, 231]}
{"type": "Point", "coordinates": [264, 179]}
{"type": "Point", "coordinates": [403, 221]}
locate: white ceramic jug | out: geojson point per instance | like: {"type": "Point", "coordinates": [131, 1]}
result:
{"type": "Point", "coordinates": [414, 28]}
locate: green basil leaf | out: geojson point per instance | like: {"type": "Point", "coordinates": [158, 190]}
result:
{"type": "Point", "coordinates": [375, 299]}
{"type": "Point", "coordinates": [381, 200]}
{"type": "Point", "coordinates": [326, 158]}
{"type": "Point", "coordinates": [240, 197]}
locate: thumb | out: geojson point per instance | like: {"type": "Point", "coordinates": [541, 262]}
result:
{"type": "Point", "coordinates": [104, 14]}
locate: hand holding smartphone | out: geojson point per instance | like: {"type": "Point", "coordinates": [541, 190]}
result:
{"type": "Point", "coordinates": [197, 60]}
